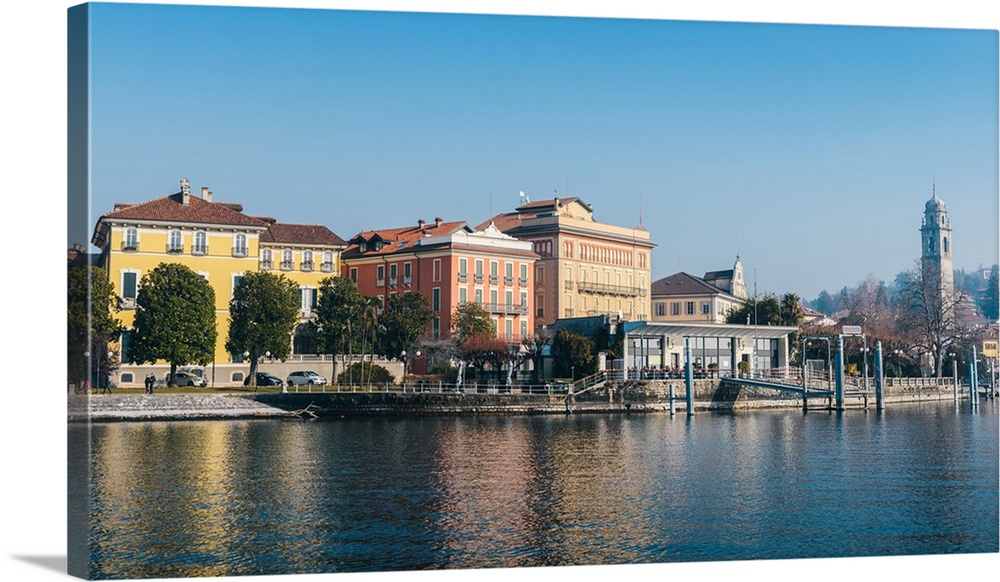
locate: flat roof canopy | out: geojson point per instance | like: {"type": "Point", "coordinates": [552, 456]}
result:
{"type": "Point", "coordinates": [711, 330]}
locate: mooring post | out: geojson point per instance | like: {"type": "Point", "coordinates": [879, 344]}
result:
{"type": "Point", "coordinates": [839, 390]}
{"type": "Point", "coordinates": [879, 378]}
{"type": "Point", "coordinates": [954, 379]}
{"type": "Point", "coordinates": [974, 379]}
{"type": "Point", "coordinates": [688, 376]}
{"type": "Point", "coordinates": [671, 392]}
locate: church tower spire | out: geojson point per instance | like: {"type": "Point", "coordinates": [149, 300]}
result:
{"type": "Point", "coordinates": [936, 250]}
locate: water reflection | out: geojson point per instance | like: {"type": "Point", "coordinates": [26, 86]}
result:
{"type": "Point", "coordinates": [262, 497]}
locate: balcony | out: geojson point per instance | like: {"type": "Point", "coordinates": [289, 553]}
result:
{"type": "Point", "coordinates": [569, 312]}
{"type": "Point", "coordinates": [506, 308]}
{"type": "Point", "coordinates": [407, 281]}
{"type": "Point", "coordinates": [392, 281]}
{"type": "Point", "coordinates": [463, 277]}
{"type": "Point", "coordinates": [326, 267]}
{"type": "Point", "coordinates": [606, 289]}
{"type": "Point", "coordinates": [239, 252]}
{"type": "Point", "coordinates": [306, 266]}
{"type": "Point", "coordinates": [508, 280]}
{"type": "Point", "coordinates": [267, 265]}
{"type": "Point", "coordinates": [287, 265]}
{"type": "Point", "coordinates": [199, 251]}
{"type": "Point", "coordinates": [523, 281]}
{"type": "Point", "coordinates": [569, 285]}
{"type": "Point", "coordinates": [127, 303]}
{"type": "Point", "coordinates": [175, 249]}
{"type": "Point", "coordinates": [130, 247]}
{"type": "Point", "coordinates": [477, 278]}
{"type": "Point", "coordinates": [380, 282]}
{"type": "Point", "coordinates": [494, 279]}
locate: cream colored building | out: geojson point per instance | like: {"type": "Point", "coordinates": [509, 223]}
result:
{"type": "Point", "coordinates": [586, 267]}
{"type": "Point", "coordinates": [685, 298]}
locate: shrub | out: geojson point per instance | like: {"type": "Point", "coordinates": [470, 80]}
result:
{"type": "Point", "coordinates": [372, 373]}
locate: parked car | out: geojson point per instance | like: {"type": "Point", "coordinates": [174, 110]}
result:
{"type": "Point", "coordinates": [305, 377]}
{"type": "Point", "coordinates": [265, 379]}
{"type": "Point", "coordinates": [189, 379]}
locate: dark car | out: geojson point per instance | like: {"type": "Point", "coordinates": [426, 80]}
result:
{"type": "Point", "coordinates": [265, 379]}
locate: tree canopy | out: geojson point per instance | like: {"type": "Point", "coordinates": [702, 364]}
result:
{"type": "Point", "coordinates": [470, 319]}
{"type": "Point", "coordinates": [572, 355]}
{"type": "Point", "coordinates": [263, 313]}
{"type": "Point", "coordinates": [403, 323]}
{"type": "Point", "coordinates": [339, 314]}
{"type": "Point", "coordinates": [174, 318]}
{"type": "Point", "coordinates": [91, 325]}
{"type": "Point", "coordinates": [767, 311]}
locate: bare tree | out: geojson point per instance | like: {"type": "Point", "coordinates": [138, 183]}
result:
{"type": "Point", "coordinates": [928, 315]}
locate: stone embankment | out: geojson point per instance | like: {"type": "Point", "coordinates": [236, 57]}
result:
{"type": "Point", "coordinates": [634, 396]}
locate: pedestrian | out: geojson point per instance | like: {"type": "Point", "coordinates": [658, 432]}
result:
{"type": "Point", "coordinates": [150, 380]}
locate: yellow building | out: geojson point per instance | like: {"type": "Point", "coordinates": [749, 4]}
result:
{"type": "Point", "coordinates": [684, 298]}
{"type": "Point", "coordinates": [587, 268]}
{"type": "Point", "coordinates": [217, 241]}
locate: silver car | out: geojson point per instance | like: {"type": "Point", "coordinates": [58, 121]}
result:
{"type": "Point", "coordinates": [305, 377]}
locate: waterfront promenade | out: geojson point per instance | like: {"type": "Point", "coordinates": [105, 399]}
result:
{"type": "Point", "coordinates": [651, 396]}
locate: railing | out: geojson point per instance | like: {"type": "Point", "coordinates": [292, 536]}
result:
{"type": "Point", "coordinates": [287, 265]}
{"type": "Point", "coordinates": [127, 303]}
{"type": "Point", "coordinates": [407, 281]}
{"type": "Point", "coordinates": [130, 247]}
{"type": "Point", "coordinates": [569, 285]}
{"type": "Point", "coordinates": [200, 251]}
{"type": "Point", "coordinates": [326, 267]}
{"type": "Point", "coordinates": [380, 282]}
{"type": "Point", "coordinates": [175, 248]}
{"type": "Point", "coordinates": [306, 265]}
{"type": "Point", "coordinates": [477, 278]}
{"type": "Point", "coordinates": [609, 289]}
{"type": "Point", "coordinates": [267, 265]}
{"type": "Point", "coordinates": [508, 280]}
{"type": "Point", "coordinates": [463, 277]}
{"type": "Point", "coordinates": [239, 252]}
{"type": "Point", "coordinates": [392, 281]}
{"type": "Point", "coordinates": [523, 281]}
{"type": "Point", "coordinates": [508, 308]}
{"type": "Point", "coordinates": [494, 279]}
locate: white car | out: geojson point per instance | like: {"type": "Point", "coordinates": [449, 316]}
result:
{"type": "Point", "coordinates": [305, 377]}
{"type": "Point", "coordinates": [189, 379]}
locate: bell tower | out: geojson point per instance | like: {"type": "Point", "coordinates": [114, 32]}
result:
{"type": "Point", "coordinates": [936, 251]}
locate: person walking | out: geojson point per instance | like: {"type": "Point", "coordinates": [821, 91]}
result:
{"type": "Point", "coordinates": [150, 380]}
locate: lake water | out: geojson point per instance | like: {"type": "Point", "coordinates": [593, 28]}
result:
{"type": "Point", "coordinates": [172, 499]}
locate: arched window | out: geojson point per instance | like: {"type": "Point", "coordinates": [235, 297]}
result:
{"type": "Point", "coordinates": [240, 245]}
{"type": "Point", "coordinates": [174, 244]}
{"type": "Point", "coordinates": [131, 242]}
{"type": "Point", "coordinates": [200, 243]}
{"type": "Point", "coordinates": [266, 261]}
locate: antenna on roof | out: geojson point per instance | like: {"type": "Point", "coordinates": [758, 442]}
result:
{"type": "Point", "coordinates": [640, 213]}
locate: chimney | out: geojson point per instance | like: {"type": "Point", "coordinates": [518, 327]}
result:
{"type": "Point", "coordinates": [185, 192]}
{"type": "Point", "coordinates": [437, 221]}
{"type": "Point", "coordinates": [206, 194]}
{"type": "Point", "coordinates": [420, 223]}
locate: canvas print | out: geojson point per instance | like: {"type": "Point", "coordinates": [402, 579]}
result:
{"type": "Point", "coordinates": [371, 291]}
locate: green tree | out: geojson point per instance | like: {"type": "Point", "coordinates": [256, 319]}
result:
{"type": "Point", "coordinates": [339, 313]}
{"type": "Point", "coordinates": [91, 325]}
{"type": "Point", "coordinates": [572, 355]}
{"type": "Point", "coordinates": [263, 313]}
{"type": "Point", "coordinates": [769, 310]}
{"type": "Point", "coordinates": [174, 318]}
{"type": "Point", "coordinates": [990, 304]}
{"type": "Point", "coordinates": [403, 323]}
{"type": "Point", "coordinates": [470, 319]}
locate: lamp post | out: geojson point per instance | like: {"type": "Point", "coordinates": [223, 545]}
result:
{"type": "Point", "coordinates": [899, 365]}
{"type": "Point", "coordinates": [403, 356]}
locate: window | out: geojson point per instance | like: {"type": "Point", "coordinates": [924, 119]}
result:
{"type": "Point", "coordinates": [174, 244]}
{"type": "Point", "coordinates": [493, 298]}
{"type": "Point", "coordinates": [307, 299]}
{"type": "Point", "coordinates": [689, 308]}
{"type": "Point", "coordinates": [327, 266]}
{"type": "Point", "coordinates": [463, 295]}
{"type": "Point", "coordinates": [406, 273]}
{"type": "Point", "coordinates": [436, 271]}
{"type": "Point", "coordinates": [392, 273]}
{"type": "Point", "coordinates": [380, 276]}
{"type": "Point", "coordinates": [286, 261]}
{"type": "Point", "coordinates": [508, 325]}
{"type": "Point", "coordinates": [127, 378]}
{"type": "Point", "coordinates": [237, 281]}
{"type": "Point", "coordinates": [661, 309]}
{"type": "Point", "coordinates": [129, 284]}
{"type": "Point", "coordinates": [944, 245]}
{"type": "Point", "coordinates": [463, 270]}
{"type": "Point", "coordinates": [524, 299]}
{"type": "Point", "coordinates": [508, 299]}
{"type": "Point", "coordinates": [307, 260]}
{"type": "Point", "coordinates": [200, 243]}
{"type": "Point", "coordinates": [436, 299]}
{"type": "Point", "coordinates": [508, 273]}
{"type": "Point", "coordinates": [266, 261]}
{"type": "Point", "coordinates": [354, 275]}
{"type": "Point", "coordinates": [436, 328]}
{"type": "Point", "coordinates": [131, 242]}
{"type": "Point", "coordinates": [539, 307]}
{"type": "Point", "coordinates": [479, 271]}
{"type": "Point", "coordinates": [126, 345]}
{"type": "Point", "coordinates": [524, 329]}
{"type": "Point", "coordinates": [705, 308]}
{"type": "Point", "coordinates": [540, 275]}
{"type": "Point", "coordinates": [479, 296]}
{"type": "Point", "coordinates": [524, 274]}
{"type": "Point", "coordinates": [675, 308]}
{"type": "Point", "coordinates": [240, 245]}
{"type": "Point", "coordinates": [494, 276]}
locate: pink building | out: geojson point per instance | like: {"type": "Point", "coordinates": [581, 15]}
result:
{"type": "Point", "coordinates": [450, 263]}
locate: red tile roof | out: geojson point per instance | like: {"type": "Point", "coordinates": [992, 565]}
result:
{"type": "Point", "coordinates": [196, 211]}
{"type": "Point", "coordinates": [305, 234]}
{"type": "Point", "coordinates": [399, 239]}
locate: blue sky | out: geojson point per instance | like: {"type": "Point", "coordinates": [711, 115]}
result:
{"type": "Point", "coordinates": [808, 150]}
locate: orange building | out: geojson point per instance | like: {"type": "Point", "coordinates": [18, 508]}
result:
{"type": "Point", "coordinates": [450, 263]}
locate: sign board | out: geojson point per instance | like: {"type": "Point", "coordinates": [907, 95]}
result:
{"type": "Point", "coordinates": [990, 348]}
{"type": "Point", "coordinates": [852, 330]}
